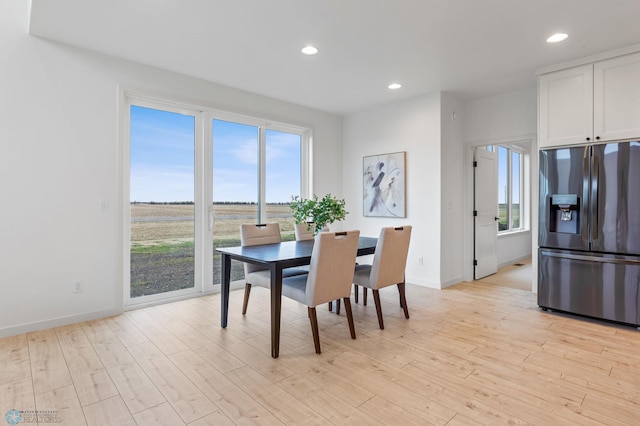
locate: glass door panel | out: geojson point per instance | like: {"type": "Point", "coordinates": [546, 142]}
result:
{"type": "Point", "coordinates": [283, 177]}
{"type": "Point", "coordinates": [162, 242]}
{"type": "Point", "coordinates": [235, 187]}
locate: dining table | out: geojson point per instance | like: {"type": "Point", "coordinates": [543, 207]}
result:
{"type": "Point", "coordinates": [275, 258]}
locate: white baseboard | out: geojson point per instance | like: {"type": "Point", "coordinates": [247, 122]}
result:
{"type": "Point", "coordinates": [56, 322]}
{"type": "Point", "coordinates": [453, 281]}
{"type": "Point", "coordinates": [423, 283]}
{"type": "Point", "coordinates": [88, 316]}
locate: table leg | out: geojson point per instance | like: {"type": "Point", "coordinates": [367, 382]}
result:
{"type": "Point", "coordinates": [276, 307]}
{"type": "Point", "coordinates": [224, 291]}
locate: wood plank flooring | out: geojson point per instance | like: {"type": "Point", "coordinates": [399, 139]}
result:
{"type": "Point", "coordinates": [475, 353]}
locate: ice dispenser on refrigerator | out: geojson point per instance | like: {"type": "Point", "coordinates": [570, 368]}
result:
{"type": "Point", "coordinates": [564, 214]}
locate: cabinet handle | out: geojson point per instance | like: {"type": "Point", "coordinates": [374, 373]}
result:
{"type": "Point", "coordinates": [588, 139]}
{"type": "Point", "coordinates": [597, 138]}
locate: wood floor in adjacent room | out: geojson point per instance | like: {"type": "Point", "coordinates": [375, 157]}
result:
{"type": "Point", "coordinates": [517, 275]}
{"type": "Point", "coordinates": [475, 353]}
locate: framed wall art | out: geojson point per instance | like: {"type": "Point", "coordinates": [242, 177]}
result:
{"type": "Point", "coordinates": [383, 192]}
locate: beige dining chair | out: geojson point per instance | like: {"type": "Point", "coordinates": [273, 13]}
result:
{"type": "Point", "coordinates": [389, 263]}
{"type": "Point", "coordinates": [329, 278]}
{"type": "Point", "coordinates": [252, 235]}
{"type": "Point", "coordinates": [305, 231]}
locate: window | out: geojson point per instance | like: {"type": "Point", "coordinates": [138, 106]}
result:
{"type": "Point", "coordinates": [192, 176]}
{"type": "Point", "coordinates": [510, 188]}
{"type": "Point", "coordinates": [256, 171]}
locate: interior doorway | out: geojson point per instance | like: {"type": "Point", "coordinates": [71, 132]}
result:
{"type": "Point", "coordinates": [513, 211]}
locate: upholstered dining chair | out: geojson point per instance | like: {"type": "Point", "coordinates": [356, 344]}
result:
{"type": "Point", "coordinates": [387, 268]}
{"type": "Point", "coordinates": [329, 278]}
{"type": "Point", "coordinates": [305, 231]}
{"type": "Point", "coordinates": [252, 235]}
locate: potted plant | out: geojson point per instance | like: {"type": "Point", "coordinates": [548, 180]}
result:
{"type": "Point", "coordinates": [320, 212]}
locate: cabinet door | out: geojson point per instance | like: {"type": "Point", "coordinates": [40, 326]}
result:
{"type": "Point", "coordinates": [617, 98]}
{"type": "Point", "coordinates": [565, 107]}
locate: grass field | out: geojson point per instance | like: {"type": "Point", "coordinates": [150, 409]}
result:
{"type": "Point", "coordinates": [502, 214]}
{"type": "Point", "coordinates": [162, 242]}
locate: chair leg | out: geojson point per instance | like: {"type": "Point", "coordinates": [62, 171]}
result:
{"type": "Point", "coordinates": [355, 290]}
{"type": "Point", "coordinates": [247, 291]}
{"type": "Point", "coordinates": [364, 296]}
{"type": "Point", "coordinates": [403, 300]}
{"type": "Point", "coordinates": [347, 308]}
{"type": "Point", "coordinates": [376, 298]}
{"type": "Point", "coordinates": [337, 306]}
{"type": "Point", "coordinates": [314, 328]}
{"type": "Point", "coordinates": [330, 306]}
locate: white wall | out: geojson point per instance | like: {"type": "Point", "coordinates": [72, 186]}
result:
{"type": "Point", "coordinates": [59, 159]}
{"type": "Point", "coordinates": [413, 126]}
{"type": "Point", "coordinates": [452, 207]}
{"type": "Point", "coordinates": [505, 116]}
{"type": "Point", "coordinates": [508, 117]}
{"type": "Point", "coordinates": [439, 174]}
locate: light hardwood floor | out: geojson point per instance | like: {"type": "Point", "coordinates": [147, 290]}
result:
{"type": "Point", "coordinates": [517, 275]}
{"type": "Point", "coordinates": [475, 353]}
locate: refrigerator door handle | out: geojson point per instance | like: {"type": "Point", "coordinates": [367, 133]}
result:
{"type": "Point", "coordinates": [586, 187]}
{"type": "Point", "coordinates": [590, 258]}
{"type": "Point", "coordinates": [594, 197]}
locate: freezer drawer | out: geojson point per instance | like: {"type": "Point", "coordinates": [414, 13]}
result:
{"type": "Point", "coordinates": [595, 285]}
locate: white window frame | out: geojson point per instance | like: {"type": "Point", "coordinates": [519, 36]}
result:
{"type": "Point", "coordinates": [203, 197]}
{"type": "Point", "coordinates": [524, 193]}
{"type": "Point", "coordinates": [306, 161]}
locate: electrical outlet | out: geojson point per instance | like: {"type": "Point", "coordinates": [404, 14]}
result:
{"type": "Point", "coordinates": [420, 260]}
{"type": "Point", "coordinates": [78, 287]}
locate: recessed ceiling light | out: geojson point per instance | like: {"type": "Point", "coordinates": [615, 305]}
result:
{"type": "Point", "coordinates": [558, 37]}
{"type": "Point", "coordinates": [309, 50]}
{"type": "Point", "coordinates": [394, 86]}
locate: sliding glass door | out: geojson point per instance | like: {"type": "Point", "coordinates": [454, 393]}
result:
{"type": "Point", "coordinates": [162, 201]}
{"type": "Point", "coordinates": [192, 178]}
{"type": "Point", "coordinates": [235, 188]}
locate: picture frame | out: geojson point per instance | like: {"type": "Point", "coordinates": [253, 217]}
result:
{"type": "Point", "coordinates": [383, 191]}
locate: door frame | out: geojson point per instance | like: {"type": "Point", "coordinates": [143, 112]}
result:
{"type": "Point", "coordinates": [469, 200]}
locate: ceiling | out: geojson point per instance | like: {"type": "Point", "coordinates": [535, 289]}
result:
{"type": "Point", "coordinates": [471, 48]}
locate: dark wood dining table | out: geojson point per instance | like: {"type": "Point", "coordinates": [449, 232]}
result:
{"type": "Point", "coordinates": [274, 257]}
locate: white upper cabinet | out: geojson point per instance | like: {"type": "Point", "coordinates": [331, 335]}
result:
{"type": "Point", "coordinates": [616, 98]}
{"type": "Point", "coordinates": [590, 103]}
{"type": "Point", "coordinates": [565, 107]}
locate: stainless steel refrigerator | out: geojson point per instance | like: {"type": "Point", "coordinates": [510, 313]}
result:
{"type": "Point", "coordinates": [589, 233]}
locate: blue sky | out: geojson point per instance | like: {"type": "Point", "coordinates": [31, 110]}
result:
{"type": "Point", "coordinates": [162, 159]}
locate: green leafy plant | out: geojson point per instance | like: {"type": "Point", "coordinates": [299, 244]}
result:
{"type": "Point", "coordinates": [320, 212]}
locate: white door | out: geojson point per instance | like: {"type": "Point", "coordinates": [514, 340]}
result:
{"type": "Point", "coordinates": [486, 212]}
